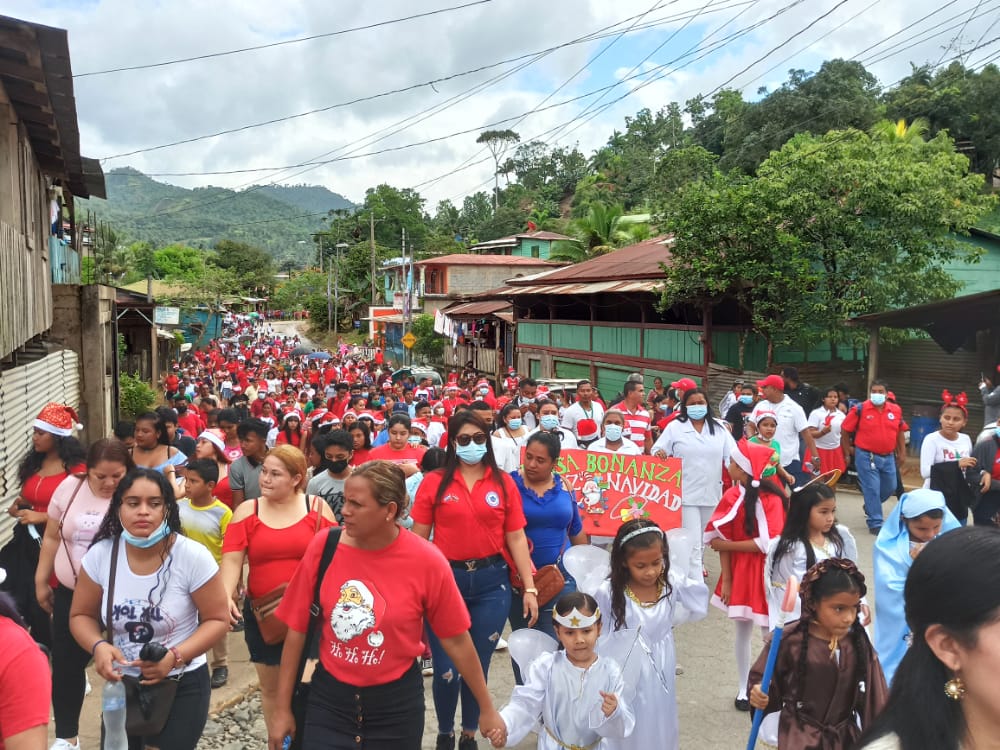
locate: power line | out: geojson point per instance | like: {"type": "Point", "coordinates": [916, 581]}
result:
{"type": "Point", "coordinates": [285, 42]}
{"type": "Point", "coordinates": [958, 36]}
{"type": "Point", "coordinates": [600, 34]}
{"type": "Point", "coordinates": [912, 41]}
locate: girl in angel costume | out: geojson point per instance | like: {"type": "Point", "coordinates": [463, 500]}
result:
{"type": "Point", "coordinates": [571, 697]}
{"type": "Point", "coordinates": [644, 589]}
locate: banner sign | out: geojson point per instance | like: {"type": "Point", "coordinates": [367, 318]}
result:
{"type": "Point", "coordinates": [612, 488]}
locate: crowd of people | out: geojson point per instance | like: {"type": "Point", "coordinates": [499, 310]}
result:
{"type": "Point", "coordinates": [386, 525]}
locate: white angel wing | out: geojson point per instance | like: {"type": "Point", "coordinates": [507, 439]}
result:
{"type": "Point", "coordinates": [627, 649]}
{"type": "Point", "coordinates": [680, 544]}
{"type": "Point", "coordinates": [589, 565]}
{"type": "Point", "coordinates": [526, 645]}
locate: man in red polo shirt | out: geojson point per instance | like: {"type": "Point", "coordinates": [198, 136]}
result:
{"type": "Point", "coordinates": [878, 446]}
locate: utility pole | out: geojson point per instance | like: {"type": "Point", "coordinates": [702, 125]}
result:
{"type": "Point", "coordinates": [371, 240]}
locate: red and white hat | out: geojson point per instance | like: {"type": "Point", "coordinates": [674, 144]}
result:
{"type": "Point", "coordinates": [753, 458]}
{"type": "Point", "coordinates": [587, 430]}
{"type": "Point", "coordinates": [216, 438]}
{"type": "Point", "coordinates": [58, 419]}
{"type": "Point", "coordinates": [420, 425]}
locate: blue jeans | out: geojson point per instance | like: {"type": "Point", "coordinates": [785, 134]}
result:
{"type": "Point", "coordinates": [795, 469]}
{"type": "Point", "coordinates": [544, 623]}
{"type": "Point", "coordinates": [877, 477]}
{"type": "Point", "coordinates": [487, 595]}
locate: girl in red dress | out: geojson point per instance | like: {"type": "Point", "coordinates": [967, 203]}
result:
{"type": "Point", "coordinates": [750, 514]}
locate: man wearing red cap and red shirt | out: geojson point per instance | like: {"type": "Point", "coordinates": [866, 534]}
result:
{"type": "Point", "coordinates": [792, 424]}
{"type": "Point", "coordinates": [584, 417]}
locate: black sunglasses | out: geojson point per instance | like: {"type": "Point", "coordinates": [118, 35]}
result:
{"type": "Point", "coordinates": [479, 437]}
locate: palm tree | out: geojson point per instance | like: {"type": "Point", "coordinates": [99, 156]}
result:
{"type": "Point", "coordinates": [900, 132]}
{"type": "Point", "coordinates": [596, 233]}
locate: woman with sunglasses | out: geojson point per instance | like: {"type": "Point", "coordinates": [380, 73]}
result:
{"type": "Point", "coordinates": [475, 512]}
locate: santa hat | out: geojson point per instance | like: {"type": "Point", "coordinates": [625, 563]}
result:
{"type": "Point", "coordinates": [587, 430]}
{"type": "Point", "coordinates": [766, 415]}
{"type": "Point", "coordinates": [317, 414]}
{"type": "Point", "coordinates": [293, 414]}
{"type": "Point", "coordinates": [420, 425]}
{"type": "Point", "coordinates": [753, 458]}
{"type": "Point", "coordinates": [58, 419]}
{"type": "Point", "coordinates": [216, 438]}
{"type": "Point", "coordinates": [329, 419]}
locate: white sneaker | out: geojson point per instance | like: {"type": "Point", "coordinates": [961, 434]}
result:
{"type": "Point", "coordinates": [501, 644]}
{"type": "Point", "coordinates": [61, 744]}
{"type": "Point", "coordinates": [88, 689]}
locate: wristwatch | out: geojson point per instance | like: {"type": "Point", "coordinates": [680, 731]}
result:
{"type": "Point", "coordinates": [531, 591]}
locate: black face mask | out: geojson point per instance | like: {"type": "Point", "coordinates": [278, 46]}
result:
{"type": "Point", "coordinates": [335, 467]}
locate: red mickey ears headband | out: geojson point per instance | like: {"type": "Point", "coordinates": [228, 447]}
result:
{"type": "Point", "coordinates": [960, 401]}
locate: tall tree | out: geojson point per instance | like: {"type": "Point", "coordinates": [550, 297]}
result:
{"type": "Point", "coordinates": [497, 141]}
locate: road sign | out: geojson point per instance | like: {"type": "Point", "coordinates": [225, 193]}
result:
{"type": "Point", "coordinates": [409, 340]}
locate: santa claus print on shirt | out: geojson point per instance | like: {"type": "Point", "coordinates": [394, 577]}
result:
{"type": "Point", "coordinates": [358, 611]}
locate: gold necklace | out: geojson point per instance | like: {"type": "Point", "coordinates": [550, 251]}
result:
{"type": "Point", "coordinates": [645, 605]}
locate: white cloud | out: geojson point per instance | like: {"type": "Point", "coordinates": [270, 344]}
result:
{"type": "Point", "coordinates": [130, 110]}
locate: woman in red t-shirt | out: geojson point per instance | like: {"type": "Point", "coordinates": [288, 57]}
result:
{"type": "Point", "coordinates": [272, 533]}
{"type": "Point", "coordinates": [55, 454]}
{"type": "Point", "coordinates": [381, 586]}
{"type": "Point", "coordinates": [291, 430]}
{"type": "Point", "coordinates": [25, 684]}
{"type": "Point", "coordinates": [362, 442]}
{"type": "Point", "coordinates": [475, 512]}
{"type": "Point", "coordinates": [398, 450]}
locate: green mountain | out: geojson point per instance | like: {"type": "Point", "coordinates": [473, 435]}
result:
{"type": "Point", "coordinates": [274, 217]}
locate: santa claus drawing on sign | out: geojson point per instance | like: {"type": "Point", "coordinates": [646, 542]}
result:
{"type": "Point", "coordinates": [354, 613]}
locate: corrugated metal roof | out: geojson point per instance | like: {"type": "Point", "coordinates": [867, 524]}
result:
{"type": "Point", "coordinates": [467, 259]}
{"type": "Point", "coordinates": [593, 287]}
{"type": "Point", "coordinates": [477, 309]}
{"type": "Point", "coordinates": [641, 261]}
{"type": "Point", "coordinates": [513, 239]}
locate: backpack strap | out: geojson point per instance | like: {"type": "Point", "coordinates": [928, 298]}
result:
{"type": "Point", "coordinates": [315, 610]}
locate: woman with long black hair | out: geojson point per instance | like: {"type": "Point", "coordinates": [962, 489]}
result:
{"type": "Point", "coordinates": [944, 695]}
{"type": "Point", "coordinates": [474, 510]}
{"type": "Point", "coordinates": [165, 589]}
{"type": "Point", "coordinates": [55, 454]}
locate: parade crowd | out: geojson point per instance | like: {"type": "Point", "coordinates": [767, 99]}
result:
{"type": "Point", "coordinates": [375, 527]}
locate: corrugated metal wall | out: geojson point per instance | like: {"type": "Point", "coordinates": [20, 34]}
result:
{"type": "Point", "coordinates": [917, 372]}
{"type": "Point", "coordinates": [23, 392]}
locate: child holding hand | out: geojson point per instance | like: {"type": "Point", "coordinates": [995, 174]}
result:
{"type": "Point", "coordinates": [572, 692]}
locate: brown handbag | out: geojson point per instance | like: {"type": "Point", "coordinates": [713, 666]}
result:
{"type": "Point", "coordinates": [273, 630]}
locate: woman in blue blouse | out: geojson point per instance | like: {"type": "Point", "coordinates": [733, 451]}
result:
{"type": "Point", "coordinates": [553, 520]}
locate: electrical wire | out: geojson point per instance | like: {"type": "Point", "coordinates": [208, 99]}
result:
{"type": "Point", "coordinates": [958, 36]}
{"type": "Point", "coordinates": [285, 42]}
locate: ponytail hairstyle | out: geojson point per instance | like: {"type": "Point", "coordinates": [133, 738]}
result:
{"type": "Point", "coordinates": [952, 584]}
{"type": "Point", "coordinates": [626, 542]}
{"type": "Point", "coordinates": [825, 579]}
{"type": "Point", "coordinates": [796, 527]}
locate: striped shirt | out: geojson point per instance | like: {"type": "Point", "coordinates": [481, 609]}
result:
{"type": "Point", "coordinates": [636, 421]}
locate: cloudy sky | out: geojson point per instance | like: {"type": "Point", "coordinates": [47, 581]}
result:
{"type": "Point", "coordinates": [636, 53]}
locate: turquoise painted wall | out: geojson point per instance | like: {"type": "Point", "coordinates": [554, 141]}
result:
{"type": "Point", "coordinates": [982, 276]}
{"type": "Point", "coordinates": [525, 245]}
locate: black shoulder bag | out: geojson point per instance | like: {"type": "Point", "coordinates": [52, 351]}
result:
{"type": "Point", "coordinates": [300, 698]}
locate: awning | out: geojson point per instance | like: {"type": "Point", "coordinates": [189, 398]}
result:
{"type": "Point", "coordinates": [164, 334]}
{"type": "Point", "coordinates": [596, 287]}
{"type": "Point", "coordinates": [397, 318]}
{"type": "Point", "coordinates": [951, 323]}
{"type": "Point", "coordinates": [477, 309]}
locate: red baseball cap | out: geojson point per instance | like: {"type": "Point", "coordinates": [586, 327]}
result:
{"type": "Point", "coordinates": [775, 381]}
{"type": "Point", "coordinates": [684, 384]}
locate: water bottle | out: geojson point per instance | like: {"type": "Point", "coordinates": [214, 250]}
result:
{"type": "Point", "coordinates": [113, 708]}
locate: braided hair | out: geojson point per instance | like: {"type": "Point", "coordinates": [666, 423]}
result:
{"type": "Point", "coordinates": [825, 579]}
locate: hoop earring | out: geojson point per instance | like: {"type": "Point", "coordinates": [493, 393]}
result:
{"type": "Point", "coordinates": [955, 688]}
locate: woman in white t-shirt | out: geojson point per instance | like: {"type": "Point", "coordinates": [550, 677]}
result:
{"type": "Point", "coordinates": [166, 590]}
{"type": "Point", "coordinates": [509, 437]}
{"type": "Point", "coordinates": [950, 446]}
{"type": "Point", "coordinates": [613, 438]}
{"type": "Point", "coordinates": [75, 512]}
{"type": "Point", "coordinates": [824, 423]}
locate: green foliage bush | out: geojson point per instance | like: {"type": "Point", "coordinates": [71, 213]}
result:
{"type": "Point", "coordinates": [135, 396]}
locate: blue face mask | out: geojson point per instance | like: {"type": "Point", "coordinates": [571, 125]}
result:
{"type": "Point", "coordinates": [143, 542]}
{"type": "Point", "coordinates": [878, 398]}
{"type": "Point", "coordinates": [549, 421]}
{"type": "Point", "coordinates": [997, 431]}
{"type": "Point", "coordinates": [613, 432]}
{"type": "Point", "coordinates": [746, 400]}
{"type": "Point", "coordinates": [470, 454]}
{"type": "Point", "coordinates": [515, 424]}
{"type": "Point", "coordinates": [697, 411]}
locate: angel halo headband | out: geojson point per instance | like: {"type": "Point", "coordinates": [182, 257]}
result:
{"type": "Point", "coordinates": [643, 530]}
{"type": "Point", "coordinates": [576, 618]}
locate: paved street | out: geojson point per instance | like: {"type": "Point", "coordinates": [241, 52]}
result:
{"type": "Point", "coordinates": [705, 691]}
